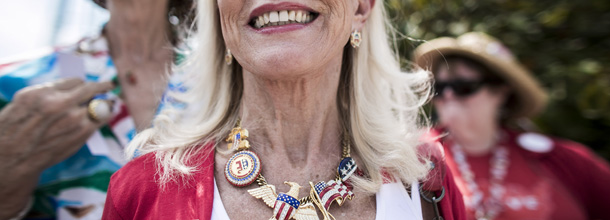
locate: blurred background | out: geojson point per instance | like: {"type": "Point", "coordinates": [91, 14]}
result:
{"type": "Point", "coordinates": [565, 43]}
{"type": "Point", "coordinates": [32, 27]}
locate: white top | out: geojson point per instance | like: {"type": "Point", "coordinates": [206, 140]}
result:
{"type": "Point", "coordinates": [393, 202]}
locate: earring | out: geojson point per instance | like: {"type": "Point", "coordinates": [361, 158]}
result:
{"type": "Point", "coordinates": [355, 39]}
{"type": "Point", "coordinates": [228, 57]}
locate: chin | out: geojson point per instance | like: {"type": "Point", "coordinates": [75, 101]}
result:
{"type": "Point", "coordinates": [285, 62]}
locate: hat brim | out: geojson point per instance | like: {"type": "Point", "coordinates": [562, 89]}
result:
{"type": "Point", "coordinates": [531, 98]}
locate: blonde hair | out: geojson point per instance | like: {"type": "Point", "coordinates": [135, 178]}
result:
{"type": "Point", "coordinates": [378, 102]}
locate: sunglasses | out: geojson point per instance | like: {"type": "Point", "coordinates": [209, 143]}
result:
{"type": "Point", "coordinates": [460, 87]}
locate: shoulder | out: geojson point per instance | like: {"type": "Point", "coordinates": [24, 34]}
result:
{"type": "Point", "coordinates": [544, 146]}
{"type": "Point", "coordinates": [135, 191]}
{"type": "Point", "coordinates": [132, 185]}
{"type": "Point", "coordinates": [440, 180]}
{"type": "Point", "coordinates": [554, 152]}
{"type": "Point", "coordinates": [431, 151]}
{"type": "Point", "coordinates": [142, 169]}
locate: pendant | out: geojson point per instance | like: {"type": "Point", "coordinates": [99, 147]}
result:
{"type": "Point", "coordinates": [243, 168]}
{"type": "Point", "coordinates": [285, 205]}
{"type": "Point", "coordinates": [346, 168]}
{"type": "Point", "coordinates": [325, 193]}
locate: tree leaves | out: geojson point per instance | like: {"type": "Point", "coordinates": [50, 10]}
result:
{"type": "Point", "coordinates": [566, 44]}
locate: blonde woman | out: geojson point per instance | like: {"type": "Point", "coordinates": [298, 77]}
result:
{"type": "Point", "coordinates": [319, 119]}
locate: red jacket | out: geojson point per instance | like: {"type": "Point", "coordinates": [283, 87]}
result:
{"type": "Point", "coordinates": [134, 193]}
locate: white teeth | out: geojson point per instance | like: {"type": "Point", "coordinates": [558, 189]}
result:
{"type": "Point", "coordinates": [273, 16]}
{"type": "Point", "coordinates": [260, 21]}
{"type": "Point", "coordinates": [298, 17]}
{"type": "Point", "coordinates": [283, 17]}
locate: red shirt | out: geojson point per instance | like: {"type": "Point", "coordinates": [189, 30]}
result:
{"type": "Point", "coordinates": [134, 193]}
{"type": "Point", "coordinates": [566, 182]}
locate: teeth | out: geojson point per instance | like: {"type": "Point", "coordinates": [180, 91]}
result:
{"type": "Point", "coordinates": [283, 16]}
{"type": "Point", "coordinates": [275, 18]}
{"type": "Point", "coordinates": [298, 17]}
{"type": "Point", "coordinates": [261, 21]}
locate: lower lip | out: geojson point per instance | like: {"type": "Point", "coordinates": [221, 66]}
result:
{"type": "Point", "coordinates": [281, 28]}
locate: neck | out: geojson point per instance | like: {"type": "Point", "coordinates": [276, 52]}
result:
{"type": "Point", "coordinates": [138, 40]}
{"type": "Point", "coordinates": [478, 141]}
{"type": "Point", "coordinates": [137, 30]}
{"type": "Point", "coordinates": [296, 117]}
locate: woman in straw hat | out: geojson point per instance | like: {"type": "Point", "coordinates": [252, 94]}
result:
{"type": "Point", "coordinates": [506, 174]}
{"type": "Point", "coordinates": [293, 110]}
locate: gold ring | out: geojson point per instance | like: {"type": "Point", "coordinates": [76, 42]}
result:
{"type": "Point", "coordinates": [99, 110]}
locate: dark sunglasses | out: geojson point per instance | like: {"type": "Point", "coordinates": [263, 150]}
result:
{"type": "Point", "coordinates": [460, 87]}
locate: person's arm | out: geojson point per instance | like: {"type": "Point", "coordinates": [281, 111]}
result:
{"type": "Point", "coordinates": [43, 125]}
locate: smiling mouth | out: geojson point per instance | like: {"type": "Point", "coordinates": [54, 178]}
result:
{"type": "Point", "coordinates": [284, 17]}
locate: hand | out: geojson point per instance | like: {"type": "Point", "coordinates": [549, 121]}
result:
{"type": "Point", "coordinates": [43, 125]}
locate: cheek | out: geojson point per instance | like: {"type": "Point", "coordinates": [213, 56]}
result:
{"type": "Point", "coordinates": [340, 19]}
{"type": "Point", "coordinates": [230, 11]}
{"type": "Point", "coordinates": [486, 104]}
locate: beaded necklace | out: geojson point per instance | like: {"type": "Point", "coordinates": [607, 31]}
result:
{"type": "Point", "coordinates": [244, 168]}
{"type": "Point", "coordinates": [489, 208]}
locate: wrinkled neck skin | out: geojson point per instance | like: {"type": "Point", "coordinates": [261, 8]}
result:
{"type": "Point", "coordinates": [293, 116]}
{"type": "Point", "coordinates": [137, 29]}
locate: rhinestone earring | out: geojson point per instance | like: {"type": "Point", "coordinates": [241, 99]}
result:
{"type": "Point", "coordinates": [355, 39]}
{"type": "Point", "coordinates": [228, 57]}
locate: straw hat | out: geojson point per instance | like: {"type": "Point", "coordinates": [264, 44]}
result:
{"type": "Point", "coordinates": [531, 98]}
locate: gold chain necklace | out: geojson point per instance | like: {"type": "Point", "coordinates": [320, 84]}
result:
{"type": "Point", "coordinates": [244, 168]}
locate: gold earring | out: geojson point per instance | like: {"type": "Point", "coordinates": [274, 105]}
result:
{"type": "Point", "coordinates": [228, 57]}
{"type": "Point", "coordinates": [355, 39]}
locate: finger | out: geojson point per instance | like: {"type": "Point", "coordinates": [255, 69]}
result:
{"type": "Point", "coordinates": [67, 84]}
{"type": "Point", "coordinates": [73, 137]}
{"type": "Point", "coordinates": [48, 87]}
{"type": "Point", "coordinates": [86, 91]}
{"type": "Point", "coordinates": [63, 146]}
{"type": "Point", "coordinates": [67, 123]}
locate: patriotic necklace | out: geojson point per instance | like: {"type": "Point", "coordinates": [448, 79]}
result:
{"type": "Point", "coordinates": [489, 208]}
{"type": "Point", "coordinates": [244, 168]}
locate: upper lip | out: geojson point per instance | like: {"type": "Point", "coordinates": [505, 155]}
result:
{"type": "Point", "coordinates": [278, 7]}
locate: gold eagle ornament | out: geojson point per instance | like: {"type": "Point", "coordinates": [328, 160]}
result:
{"type": "Point", "coordinates": [285, 205]}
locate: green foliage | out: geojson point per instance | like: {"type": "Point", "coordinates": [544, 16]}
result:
{"type": "Point", "coordinates": [566, 44]}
